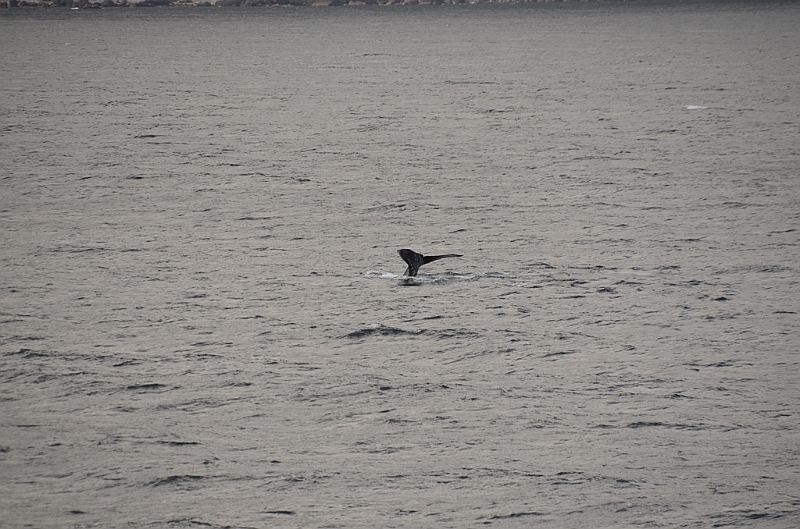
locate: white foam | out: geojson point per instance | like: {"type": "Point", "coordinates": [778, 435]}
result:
{"type": "Point", "coordinates": [423, 278]}
{"type": "Point", "coordinates": [377, 274]}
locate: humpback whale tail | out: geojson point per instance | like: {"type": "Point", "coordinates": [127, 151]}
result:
{"type": "Point", "coordinates": [415, 260]}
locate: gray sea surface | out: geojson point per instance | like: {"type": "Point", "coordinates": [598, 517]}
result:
{"type": "Point", "coordinates": [203, 321]}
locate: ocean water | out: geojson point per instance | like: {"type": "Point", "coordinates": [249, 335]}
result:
{"type": "Point", "coordinates": [202, 316]}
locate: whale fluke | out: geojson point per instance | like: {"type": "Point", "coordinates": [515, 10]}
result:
{"type": "Point", "coordinates": [415, 260]}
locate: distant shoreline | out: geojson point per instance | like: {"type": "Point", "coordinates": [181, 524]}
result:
{"type": "Point", "coordinates": [100, 4]}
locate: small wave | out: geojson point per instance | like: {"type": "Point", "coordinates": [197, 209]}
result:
{"type": "Point", "coordinates": [646, 424]}
{"type": "Point", "coordinates": [695, 107]}
{"type": "Point", "coordinates": [382, 330]}
{"type": "Point", "coordinates": [440, 279]}
{"type": "Point", "coordinates": [179, 443]}
{"type": "Point", "coordinates": [175, 480]}
{"type": "Point", "coordinates": [436, 279]}
{"type": "Point", "coordinates": [657, 424]}
{"type": "Point", "coordinates": [516, 515]}
{"type": "Point", "coordinates": [146, 387]}
{"type": "Point", "coordinates": [559, 354]}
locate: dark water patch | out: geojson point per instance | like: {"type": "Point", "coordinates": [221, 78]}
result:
{"type": "Point", "coordinates": [190, 522]}
{"type": "Point", "coordinates": [721, 363]}
{"type": "Point", "coordinates": [495, 472]}
{"type": "Point", "coordinates": [176, 480]}
{"type": "Point", "coordinates": [778, 232]}
{"type": "Point", "coordinates": [773, 269]}
{"type": "Point", "coordinates": [690, 282]}
{"type": "Point", "coordinates": [192, 405]}
{"type": "Point", "coordinates": [45, 378]}
{"type": "Point", "coordinates": [385, 207]}
{"type": "Point", "coordinates": [569, 477]}
{"type": "Point", "coordinates": [761, 269]}
{"type": "Point", "coordinates": [559, 354]}
{"type": "Point", "coordinates": [612, 241]}
{"type": "Point", "coordinates": [592, 267]}
{"type": "Point", "coordinates": [211, 343]}
{"type": "Point", "coordinates": [742, 517]}
{"type": "Point", "coordinates": [78, 249]}
{"type": "Point", "coordinates": [659, 424]}
{"type": "Point", "coordinates": [646, 424]}
{"type": "Point", "coordinates": [453, 333]}
{"type": "Point", "coordinates": [19, 338]}
{"type": "Point", "coordinates": [469, 82]}
{"type": "Point", "coordinates": [738, 204]}
{"type": "Point", "coordinates": [516, 515]}
{"type": "Point", "coordinates": [146, 387]}
{"type": "Point", "coordinates": [28, 353]}
{"type": "Point", "coordinates": [395, 420]}
{"type": "Point", "coordinates": [471, 356]}
{"type": "Point", "coordinates": [383, 330]}
{"type": "Point", "coordinates": [179, 443]}
{"type": "Point", "coordinates": [560, 280]}
{"type": "Point", "coordinates": [250, 217]}
{"type": "Point", "coordinates": [127, 363]}
{"type": "Point", "coordinates": [541, 264]}
{"type": "Point", "coordinates": [202, 356]}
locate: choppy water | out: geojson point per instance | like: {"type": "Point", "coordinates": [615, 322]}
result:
{"type": "Point", "coordinates": [202, 321]}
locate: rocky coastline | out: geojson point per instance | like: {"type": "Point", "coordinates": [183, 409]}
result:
{"type": "Point", "coordinates": [100, 4]}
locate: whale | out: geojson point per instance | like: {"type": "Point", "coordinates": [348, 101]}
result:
{"type": "Point", "coordinates": [414, 260]}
